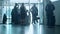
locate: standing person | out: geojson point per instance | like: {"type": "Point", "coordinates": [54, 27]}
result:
{"type": "Point", "coordinates": [49, 13]}
{"type": "Point", "coordinates": [34, 11]}
{"type": "Point", "coordinates": [23, 11]}
{"type": "Point", "coordinates": [4, 19]}
{"type": "Point", "coordinates": [22, 14]}
{"type": "Point", "coordinates": [14, 14]}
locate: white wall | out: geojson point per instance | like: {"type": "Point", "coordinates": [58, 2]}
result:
{"type": "Point", "coordinates": [57, 12]}
{"type": "Point", "coordinates": [0, 12]}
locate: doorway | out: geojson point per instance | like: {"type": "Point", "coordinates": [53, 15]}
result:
{"type": "Point", "coordinates": [28, 4]}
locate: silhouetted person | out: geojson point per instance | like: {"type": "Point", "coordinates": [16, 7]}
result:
{"type": "Point", "coordinates": [23, 11]}
{"type": "Point", "coordinates": [34, 11]}
{"type": "Point", "coordinates": [49, 13]}
{"type": "Point", "coordinates": [4, 19]}
{"type": "Point", "coordinates": [14, 13]}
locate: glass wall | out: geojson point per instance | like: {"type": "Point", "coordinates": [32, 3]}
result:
{"type": "Point", "coordinates": [9, 5]}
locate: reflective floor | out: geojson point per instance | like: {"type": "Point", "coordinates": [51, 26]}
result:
{"type": "Point", "coordinates": [31, 29]}
{"type": "Point", "coordinates": [49, 30]}
{"type": "Point", "coordinates": [17, 29]}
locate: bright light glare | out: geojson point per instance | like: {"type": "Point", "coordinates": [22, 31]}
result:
{"type": "Point", "coordinates": [54, 0]}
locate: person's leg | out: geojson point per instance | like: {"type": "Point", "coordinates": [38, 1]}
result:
{"type": "Point", "coordinates": [37, 20]}
{"type": "Point", "coordinates": [34, 21]}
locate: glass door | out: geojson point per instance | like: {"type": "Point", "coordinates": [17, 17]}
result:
{"type": "Point", "coordinates": [28, 4]}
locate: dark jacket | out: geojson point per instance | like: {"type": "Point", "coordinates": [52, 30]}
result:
{"type": "Point", "coordinates": [49, 9]}
{"type": "Point", "coordinates": [4, 19]}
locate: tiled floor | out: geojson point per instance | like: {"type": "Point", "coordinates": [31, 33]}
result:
{"type": "Point", "coordinates": [31, 29]}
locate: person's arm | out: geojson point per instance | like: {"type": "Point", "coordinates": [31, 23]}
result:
{"type": "Point", "coordinates": [46, 8]}
{"type": "Point", "coordinates": [36, 11]}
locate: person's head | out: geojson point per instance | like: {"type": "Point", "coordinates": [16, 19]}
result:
{"type": "Point", "coordinates": [34, 5]}
{"type": "Point", "coordinates": [16, 5]}
{"type": "Point", "coordinates": [49, 2]}
{"type": "Point", "coordinates": [22, 4]}
{"type": "Point", "coordinates": [4, 14]}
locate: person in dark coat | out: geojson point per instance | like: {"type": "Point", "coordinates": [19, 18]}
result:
{"type": "Point", "coordinates": [23, 11]}
{"type": "Point", "coordinates": [23, 14]}
{"type": "Point", "coordinates": [14, 13]}
{"type": "Point", "coordinates": [4, 19]}
{"type": "Point", "coordinates": [34, 11]}
{"type": "Point", "coordinates": [49, 13]}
